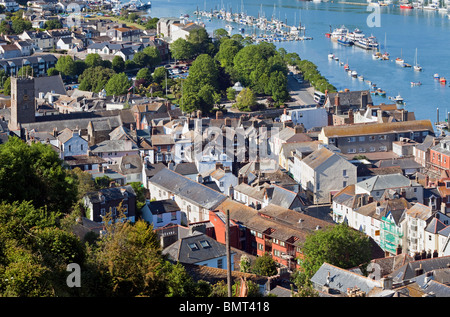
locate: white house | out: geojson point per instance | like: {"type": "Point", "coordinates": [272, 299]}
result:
{"type": "Point", "coordinates": [308, 117]}
{"type": "Point", "coordinates": [378, 185]}
{"type": "Point", "coordinates": [161, 213]}
{"type": "Point", "coordinates": [194, 199]}
{"type": "Point", "coordinates": [71, 143]}
{"type": "Point", "coordinates": [323, 173]}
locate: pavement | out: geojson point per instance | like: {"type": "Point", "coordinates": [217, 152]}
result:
{"type": "Point", "coordinates": [301, 93]}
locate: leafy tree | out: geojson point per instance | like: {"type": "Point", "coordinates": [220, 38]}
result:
{"type": "Point", "coordinates": [265, 265]}
{"type": "Point", "coordinates": [80, 67]}
{"type": "Point", "coordinates": [141, 59]}
{"type": "Point", "coordinates": [220, 34]}
{"type": "Point", "coordinates": [20, 25]}
{"type": "Point", "coordinates": [145, 74]}
{"type": "Point", "coordinates": [153, 55]}
{"type": "Point", "coordinates": [93, 60]}
{"type": "Point", "coordinates": [26, 70]}
{"type": "Point", "coordinates": [181, 49]}
{"type": "Point", "coordinates": [35, 173]}
{"type": "Point", "coordinates": [338, 245]}
{"type": "Point", "coordinates": [102, 182]}
{"type": "Point", "coordinates": [200, 41]}
{"type": "Point", "coordinates": [246, 100]}
{"type": "Point", "coordinates": [190, 102]}
{"type": "Point", "coordinates": [231, 94]}
{"type": "Point", "coordinates": [206, 95]}
{"type": "Point", "coordinates": [95, 78]}
{"type": "Point", "coordinates": [202, 72]}
{"type": "Point", "coordinates": [84, 181]}
{"type": "Point", "coordinates": [160, 74]}
{"type": "Point", "coordinates": [128, 246]}
{"type": "Point", "coordinates": [152, 23]}
{"type": "Point", "coordinates": [5, 27]}
{"type": "Point", "coordinates": [118, 64]}
{"type": "Point", "coordinates": [52, 71]}
{"type": "Point", "coordinates": [118, 84]}
{"type": "Point", "coordinates": [7, 87]}
{"type": "Point", "coordinates": [52, 24]}
{"type": "Point", "coordinates": [140, 194]}
{"type": "Point", "coordinates": [66, 65]}
{"type": "Point", "coordinates": [278, 85]}
{"type": "Point", "coordinates": [227, 51]}
{"type": "Point", "coordinates": [59, 248]}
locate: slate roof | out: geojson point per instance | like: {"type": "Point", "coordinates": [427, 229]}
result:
{"type": "Point", "coordinates": [377, 128]}
{"type": "Point", "coordinates": [340, 280]}
{"type": "Point", "coordinates": [114, 146]}
{"type": "Point", "coordinates": [435, 226]}
{"type": "Point", "coordinates": [349, 98]}
{"type": "Point", "coordinates": [163, 206]}
{"type": "Point", "coordinates": [111, 193]}
{"type": "Point", "coordinates": [318, 157]}
{"type": "Point", "coordinates": [180, 185]}
{"type": "Point", "coordinates": [381, 182]}
{"type": "Point", "coordinates": [186, 168]}
{"type": "Point", "coordinates": [408, 271]}
{"type": "Point", "coordinates": [195, 248]}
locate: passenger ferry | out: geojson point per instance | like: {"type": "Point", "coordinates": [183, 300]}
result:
{"type": "Point", "coordinates": [368, 43]}
{"type": "Point", "coordinates": [338, 32]}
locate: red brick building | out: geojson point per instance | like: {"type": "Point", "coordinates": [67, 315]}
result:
{"type": "Point", "coordinates": [273, 229]}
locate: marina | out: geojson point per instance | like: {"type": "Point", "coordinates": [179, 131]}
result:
{"type": "Point", "coordinates": [269, 29]}
{"type": "Point", "coordinates": [424, 29]}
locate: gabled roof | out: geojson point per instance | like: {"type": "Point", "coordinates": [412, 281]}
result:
{"type": "Point", "coordinates": [435, 226]}
{"type": "Point", "coordinates": [408, 271]}
{"type": "Point", "coordinates": [420, 211]}
{"type": "Point", "coordinates": [162, 206]}
{"type": "Point", "coordinates": [195, 248]}
{"type": "Point", "coordinates": [111, 193]}
{"type": "Point", "coordinates": [318, 157]}
{"type": "Point", "coordinates": [180, 185]}
{"type": "Point", "coordinates": [340, 280]}
{"type": "Point", "coordinates": [377, 128]}
{"type": "Point", "coordinates": [382, 182]}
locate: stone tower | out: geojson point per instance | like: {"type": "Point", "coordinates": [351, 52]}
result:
{"type": "Point", "coordinates": [22, 102]}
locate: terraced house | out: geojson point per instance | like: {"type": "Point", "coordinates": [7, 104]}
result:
{"type": "Point", "coordinates": [370, 138]}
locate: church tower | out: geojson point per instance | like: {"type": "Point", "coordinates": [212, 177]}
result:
{"type": "Point", "coordinates": [22, 101]}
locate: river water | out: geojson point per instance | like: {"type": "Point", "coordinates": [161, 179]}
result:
{"type": "Point", "coordinates": [402, 31]}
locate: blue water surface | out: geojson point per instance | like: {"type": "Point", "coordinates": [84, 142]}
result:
{"type": "Point", "coordinates": [400, 33]}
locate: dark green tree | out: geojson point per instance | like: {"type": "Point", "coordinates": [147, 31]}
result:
{"type": "Point", "coordinates": [118, 64]}
{"type": "Point", "coordinates": [52, 24]}
{"type": "Point", "coordinates": [265, 265]}
{"type": "Point", "coordinates": [338, 245]}
{"type": "Point", "coordinates": [118, 84]}
{"type": "Point", "coordinates": [52, 71]}
{"type": "Point", "coordinates": [146, 75]}
{"type": "Point", "coordinates": [66, 66]}
{"type": "Point", "coordinates": [95, 78]}
{"type": "Point", "coordinates": [153, 55]}
{"type": "Point", "coordinates": [93, 60]}
{"type": "Point", "coordinates": [181, 49]}
{"type": "Point", "coordinates": [35, 173]}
